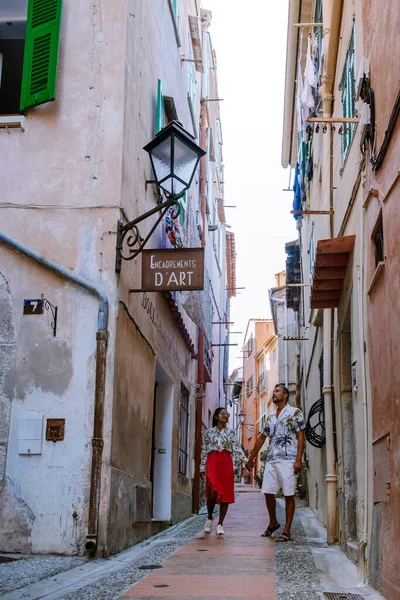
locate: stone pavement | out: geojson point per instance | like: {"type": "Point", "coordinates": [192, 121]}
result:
{"type": "Point", "coordinates": [240, 564]}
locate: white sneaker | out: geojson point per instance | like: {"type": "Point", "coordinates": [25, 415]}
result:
{"type": "Point", "coordinates": [208, 526]}
{"type": "Point", "coordinates": [220, 530]}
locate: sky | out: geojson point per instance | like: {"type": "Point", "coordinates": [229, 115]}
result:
{"type": "Point", "coordinates": [250, 42]}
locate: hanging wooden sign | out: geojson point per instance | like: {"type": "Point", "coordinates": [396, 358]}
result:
{"type": "Point", "coordinates": [173, 270]}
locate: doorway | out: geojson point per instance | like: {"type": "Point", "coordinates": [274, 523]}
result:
{"type": "Point", "coordinates": [161, 464]}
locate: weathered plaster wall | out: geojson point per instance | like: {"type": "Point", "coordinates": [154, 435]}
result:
{"type": "Point", "coordinates": [66, 163]}
{"type": "Point", "coordinates": [44, 498]}
{"type": "Point", "coordinates": [152, 338]}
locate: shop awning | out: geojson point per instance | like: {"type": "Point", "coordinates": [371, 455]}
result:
{"type": "Point", "coordinates": [331, 260]}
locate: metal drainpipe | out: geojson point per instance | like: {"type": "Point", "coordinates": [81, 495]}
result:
{"type": "Point", "coordinates": [331, 31]}
{"type": "Point", "coordinates": [101, 350]}
{"type": "Point", "coordinates": [200, 394]}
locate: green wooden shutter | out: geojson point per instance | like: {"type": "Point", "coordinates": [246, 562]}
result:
{"type": "Point", "coordinates": [175, 9]}
{"type": "Point", "coordinates": [183, 203]}
{"type": "Point", "coordinates": [160, 112]}
{"type": "Point", "coordinates": [41, 52]}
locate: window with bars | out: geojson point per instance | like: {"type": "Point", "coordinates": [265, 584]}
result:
{"type": "Point", "coordinates": [377, 239]}
{"type": "Point", "coordinates": [347, 88]}
{"type": "Point", "coordinates": [183, 430]}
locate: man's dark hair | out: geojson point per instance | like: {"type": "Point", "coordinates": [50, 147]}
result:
{"type": "Point", "coordinates": [216, 413]}
{"type": "Point", "coordinates": [284, 388]}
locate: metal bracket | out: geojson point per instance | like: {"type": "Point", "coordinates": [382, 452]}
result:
{"type": "Point", "coordinates": [54, 310]}
{"type": "Point", "coordinates": [134, 238]}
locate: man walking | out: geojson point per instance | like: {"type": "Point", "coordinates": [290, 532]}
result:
{"type": "Point", "coordinates": [285, 430]}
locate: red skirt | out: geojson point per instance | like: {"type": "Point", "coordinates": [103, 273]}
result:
{"type": "Point", "coordinates": [219, 476]}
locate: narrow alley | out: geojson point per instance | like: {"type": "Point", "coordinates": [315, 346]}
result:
{"type": "Point", "coordinates": [199, 299]}
{"type": "Point", "coordinates": [188, 563]}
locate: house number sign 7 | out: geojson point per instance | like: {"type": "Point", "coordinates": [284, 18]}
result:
{"type": "Point", "coordinates": [33, 307]}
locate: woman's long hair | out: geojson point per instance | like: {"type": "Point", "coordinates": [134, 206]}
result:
{"type": "Point", "coordinates": [216, 413]}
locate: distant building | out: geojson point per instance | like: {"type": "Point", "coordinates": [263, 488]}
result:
{"type": "Point", "coordinates": [260, 375]}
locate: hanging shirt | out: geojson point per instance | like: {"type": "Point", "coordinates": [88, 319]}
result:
{"type": "Point", "coordinates": [282, 433]}
{"type": "Point", "coordinates": [310, 80]}
{"type": "Point", "coordinates": [218, 441]}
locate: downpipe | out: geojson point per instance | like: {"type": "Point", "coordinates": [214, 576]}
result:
{"type": "Point", "coordinates": [363, 544]}
{"type": "Point", "coordinates": [97, 441]}
{"type": "Point", "coordinates": [101, 364]}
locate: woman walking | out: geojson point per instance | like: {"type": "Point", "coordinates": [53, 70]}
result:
{"type": "Point", "coordinates": [220, 452]}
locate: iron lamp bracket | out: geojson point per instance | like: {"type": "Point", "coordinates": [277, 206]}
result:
{"type": "Point", "coordinates": [129, 241]}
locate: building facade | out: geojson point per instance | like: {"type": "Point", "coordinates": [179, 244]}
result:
{"type": "Point", "coordinates": [99, 398]}
{"type": "Point", "coordinates": [340, 138]}
{"type": "Point", "coordinates": [260, 375]}
{"type": "Point", "coordinates": [284, 309]}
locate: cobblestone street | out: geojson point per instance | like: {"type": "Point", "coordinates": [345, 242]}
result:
{"type": "Point", "coordinates": [239, 565]}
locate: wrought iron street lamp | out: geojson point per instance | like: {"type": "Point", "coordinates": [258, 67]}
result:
{"type": "Point", "coordinates": [174, 157]}
{"type": "Point", "coordinates": [241, 417]}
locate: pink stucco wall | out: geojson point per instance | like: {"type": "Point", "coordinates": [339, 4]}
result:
{"type": "Point", "coordinates": [381, 24]}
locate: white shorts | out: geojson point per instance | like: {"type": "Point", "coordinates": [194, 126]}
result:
{"type": "Point", "coordinates": [279, 475]}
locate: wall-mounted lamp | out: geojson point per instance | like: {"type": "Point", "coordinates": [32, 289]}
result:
{"type": "Point", "coordinates": [241, 417]}
{"type": "Point", "coordinates": [174, 157]}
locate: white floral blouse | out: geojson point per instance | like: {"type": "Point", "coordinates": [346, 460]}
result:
{"type": "Point", "coordinates": [218, 441]}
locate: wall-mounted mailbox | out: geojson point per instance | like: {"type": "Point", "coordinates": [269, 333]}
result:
{"type": "Point", "coordinates": [30, 436]}
{"type": "Point", "coordinates": [55, 429]}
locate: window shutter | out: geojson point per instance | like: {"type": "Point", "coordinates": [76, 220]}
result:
{"type": "Point", "coordinates": [41, 52]}
{"type": "Point", "coordinates": [183, 203]}
{"type": "Point", "coordinates": [160, 112]}
{"type": "Point", "coordinates": [175, 8]}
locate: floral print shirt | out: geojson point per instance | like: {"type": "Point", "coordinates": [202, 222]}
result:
{"type": "Point", "coordinates": [218, 441]}
{"type": "Point", "coordinates": [282, 432]}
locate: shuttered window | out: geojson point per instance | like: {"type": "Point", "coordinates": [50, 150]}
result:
{"type": "Point", "coordinates": [183, 203]}
{"type": "Point", "coordinates": [175, 9]}
{"type": "Point", "coordinates": [347, 88]}
{"type": "Point", "coordinates": [160, 109]}
{"type": "Point", "coordinates": [318, 18]}
{"type": "Point", "coordinates": [192, 90]}
{"type": "Point", "coordinates": [39, 73]}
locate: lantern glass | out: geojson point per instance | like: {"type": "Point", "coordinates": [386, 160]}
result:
{"type": "Point", "coordinates": [185, 162]}
{"type": "Point", "coordinates": [174, 156]}
{"type": "Point", "coordinates": [161, 158]}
